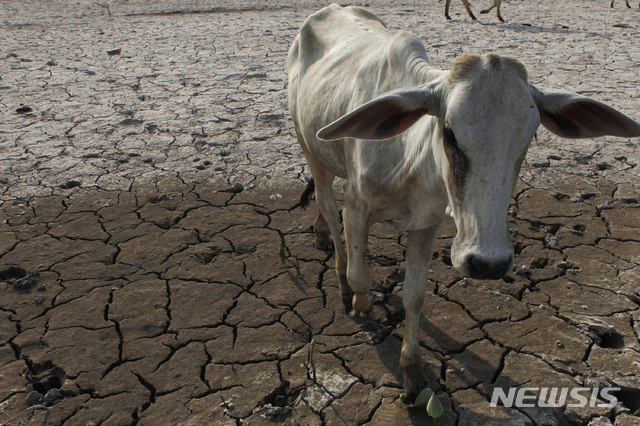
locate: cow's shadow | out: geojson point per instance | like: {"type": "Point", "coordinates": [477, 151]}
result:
{"type": "Point", "coordinates": [531, 28]}
{"type": "Point", "coordinates": [462, 405]}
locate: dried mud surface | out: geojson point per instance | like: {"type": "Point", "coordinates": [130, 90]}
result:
{"type": "Point", "coordinates": [148, 179]}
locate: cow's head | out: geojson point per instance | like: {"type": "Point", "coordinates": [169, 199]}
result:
{"type": "Point", "coordinates": [487, 114]}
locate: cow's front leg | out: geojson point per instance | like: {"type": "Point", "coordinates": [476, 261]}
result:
{"type": "Point", "coordinates": [420, 245]}
{"type": "Point", "coordinates": [356, 229]}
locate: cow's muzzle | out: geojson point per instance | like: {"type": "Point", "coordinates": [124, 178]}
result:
{"type": "Point", "coordinates": [487, 269]}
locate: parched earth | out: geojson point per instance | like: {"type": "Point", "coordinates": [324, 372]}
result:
{"type": "Point", "coordinates": [149, 179]}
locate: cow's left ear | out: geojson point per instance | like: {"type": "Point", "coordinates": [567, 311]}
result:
{"type": "Point", "coordinates": [386, 116]}
{"type": "Point", "coordinates": [574, 116]}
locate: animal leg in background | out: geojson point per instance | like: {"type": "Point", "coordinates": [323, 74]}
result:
{"type": "Point", "coordinates": [627, 1]}
{"type": "Point", "coordinates": [496, 3]}
{"type": "Point", "coordinates": [466, 5]}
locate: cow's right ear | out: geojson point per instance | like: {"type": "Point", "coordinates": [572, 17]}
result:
{"type": "Point", "coordinates": [386, 116]}
{"type": "Point", "coordinates": [574, 116]}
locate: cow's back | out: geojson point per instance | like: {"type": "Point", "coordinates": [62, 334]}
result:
{"type": "Point", "coordinates": [342, 58]}
{"type": "Point", "coordinates": [331, 28]}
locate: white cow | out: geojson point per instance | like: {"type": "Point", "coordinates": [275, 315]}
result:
{"type": "Point", "coordinates": [416, 144]}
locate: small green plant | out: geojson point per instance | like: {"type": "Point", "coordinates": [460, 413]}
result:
{"type": "Point", "coordinates": [311, 363]}
{"type": "Point", "coordinates": [426, 399]}
{"type": "Point", "coordinates": [284, 258]}
{"type": "Point", "coordinates": [434, 407]}
{"type": "Point", "coordinates": [25, 411]}
{"type": "Point", "coordinates": [421, 401]}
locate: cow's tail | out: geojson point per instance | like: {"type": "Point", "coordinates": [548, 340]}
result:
{"type": "Point", "coordinates": [307, 193]}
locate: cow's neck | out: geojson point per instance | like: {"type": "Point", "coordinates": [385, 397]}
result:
{"type": "Point", "coordinates": [422, 72]}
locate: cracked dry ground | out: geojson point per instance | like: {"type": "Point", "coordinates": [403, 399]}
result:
{"type": "Point", "coordinates": [128, 302]}
{"type": "Point", "coordinates": [169, 304]}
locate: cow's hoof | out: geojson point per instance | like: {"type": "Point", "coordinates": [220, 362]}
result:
{"type": "Point", "coordinates": [412, 395]}
{"type": "Point", "coordinates": [415, 379]}
{"type": "Point", "coordinates": [362, 302]}
{"type": "Point", "coordinates": [346, 301]}
{"type": "Point", "coordinates": [326, 247]}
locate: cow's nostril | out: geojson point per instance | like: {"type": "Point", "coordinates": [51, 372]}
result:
{"type": "Point", "coordinates": [485, 269]}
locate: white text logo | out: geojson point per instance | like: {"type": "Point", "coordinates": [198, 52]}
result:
{"type": "Point", "coordinates": [554, 397]}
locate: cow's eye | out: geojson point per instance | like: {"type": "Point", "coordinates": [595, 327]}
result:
{"type": "Point", "coordinates": [449, 137]}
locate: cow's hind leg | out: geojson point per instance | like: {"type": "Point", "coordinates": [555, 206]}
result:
{"type": "Point", "coordinates": [320, 226]}
{"type": "Point", "coordinates": [357, 222]}
{"type": "Point", "coordinates": [328, 218]}
{"type": "Point", "coordinates": [329, 215]}
{"type": "Point", "coordinates": [420, 246]}
{"type": "Point", "coordinates": [323, 233]}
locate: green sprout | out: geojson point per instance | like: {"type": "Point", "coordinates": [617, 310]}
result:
{"type": "Point", "coordinates": [434, 407]}
{"type": "Point", "coordinates": [25, 411]}
{"type": "Point", "coordinates": [284, 258]}
{"type": "Point", "coordinates": [421, 401]}
{"type": "Point", "coordinates": [426, 399]}
{"type": "Point", "coordinates": [311, 363]}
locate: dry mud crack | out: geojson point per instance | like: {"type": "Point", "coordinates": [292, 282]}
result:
{"type": "Point", "coordinates": [148, 178]}
{"type": "Point", "coordinates": [174, 306]}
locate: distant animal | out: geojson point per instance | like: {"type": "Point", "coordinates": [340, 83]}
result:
{"type": "Point", "coordinates": [626, 1]}
{"type": "Point", "coordinates": [496, 4]}
{"type": "Point", "coordinates": [417, 145]}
